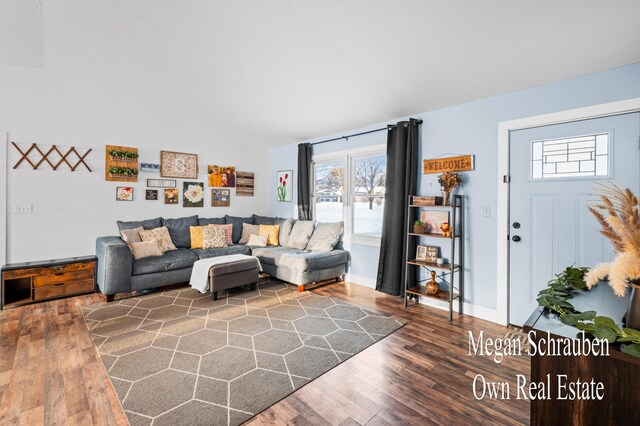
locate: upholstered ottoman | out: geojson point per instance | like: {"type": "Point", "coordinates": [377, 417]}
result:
{"type": "Point", "coordinates": [233, 274]}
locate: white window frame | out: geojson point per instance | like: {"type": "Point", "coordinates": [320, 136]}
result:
{"type": "Point", "coordinates": [348, 157]}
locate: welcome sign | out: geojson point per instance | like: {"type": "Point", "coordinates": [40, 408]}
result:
{"type": "Point", "coordinates": [463, 163]}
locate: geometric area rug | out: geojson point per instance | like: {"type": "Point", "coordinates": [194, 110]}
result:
{"type": "Point", "coordinates": [177, 357]}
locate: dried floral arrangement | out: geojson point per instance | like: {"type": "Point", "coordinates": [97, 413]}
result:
{"type": "Point", "coordinates": [622, 228]}
{"type": "Point", "coordinates": [449, 181]}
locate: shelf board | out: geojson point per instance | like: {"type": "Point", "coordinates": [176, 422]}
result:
{"type": "Point", "coordinates": [434, 235]}
{"type": "Point", "coordinates": [430, 265]}
{"type": "Point", "coordinates": [432, 207]}
{"type": "Point", "coordinates": [422, 291]}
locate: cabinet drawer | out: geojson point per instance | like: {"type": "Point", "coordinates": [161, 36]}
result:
{"type": "Point", "coordinates": [46, 292]}
{"type": "Point", "coordinates": [69, 267]}
{"type": "Point", "coordinates": [60, 278]}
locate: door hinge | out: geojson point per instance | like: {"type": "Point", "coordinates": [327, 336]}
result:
{"type": "Point", "coordinates": [506, 178]}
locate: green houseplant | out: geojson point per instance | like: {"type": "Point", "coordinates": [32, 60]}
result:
{"type": "Point", "coordinates": [418, 227]}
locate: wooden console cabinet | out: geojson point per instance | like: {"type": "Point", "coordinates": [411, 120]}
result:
{"type": "Point", "coordinates": [29, 282]}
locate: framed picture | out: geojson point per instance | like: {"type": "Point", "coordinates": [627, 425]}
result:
{"type": "Point", "coordinates": [432, 220]}
{"type": "Point", "coordinates": [171, 196]}
{"type": "Point", "coordinates": [124, 193]}
{"type": "Point", "coordinates": [178, 165]}
{"type": "Point", "coordinates": [244, 184]}
{"type": "Point", "coordinates": [150, 167]}
{"type": "Point", "coordinates": [220, 197]}
{"type": "Point", "coordinates": [192, 194]}
{"type": "Point", "coordinates": [427, 253]}
{"type": "Point", "coordinates": [284, 184]}
{"type": "Point", "coordinates": [161, 183]}
{"type": "Point", "coordinates": [151, 194]}
{"type": "Point", "coordinates": [222, 176]}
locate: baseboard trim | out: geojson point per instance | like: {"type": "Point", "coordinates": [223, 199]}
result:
{"type": "Point", "coordinates": [360, 280]}
{"type": "Point", "coordinates": [468, 309]}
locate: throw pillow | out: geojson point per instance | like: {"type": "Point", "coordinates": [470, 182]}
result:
{"type": "Point", "coordinates": [247, 231]}
{"type": "Point", "coordinates": [179, 230]}
{"type": "Point", "coordinates": [195, 233]}
{"type": "Point", "coordinates": [213, 237]}
{"type": "Point", "coordinates": [285, 231]}
{"type": "Point", "coordinates": [237, 226]}
{"type": "Point", "coordinates": [271, 231]}
{"type": "Point", "coordinates": [146, 224]}
{"type": "Point", "coordinates": [162, 234]}
{"type": "Point", "coordinates": [300, 234]}
{"type": "Point", "coordinates": [228, 232]}
{"type": "Point", "coordinates": [203, 221]}
{"type": "Point", "coordinates": [130, 236]}
{"type": "Point", "coordinates": [325, 236]}
{"type": "Point", "coordinates": [257, 240]}
{"type": "Point", "coordinates": [143, 249]}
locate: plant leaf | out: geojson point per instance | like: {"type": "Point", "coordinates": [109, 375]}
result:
{"type": "Point", "coordinates": [607, 322]}
{"type": "Point", "coordinates": [633, 350]}
{"type": "Point", "coordinates": [606, 333]}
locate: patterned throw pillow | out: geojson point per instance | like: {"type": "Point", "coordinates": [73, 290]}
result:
{"type": "Point", "coordinates": [143, 249]}
{"type": "Point", "coordinates": [213, 237]}
{"type": "Point", "coordinates": [228, 232]}
{"type": "Point", "coordinates": [162, 234]}
{"type": "Point", "coordinates": [271, 232]}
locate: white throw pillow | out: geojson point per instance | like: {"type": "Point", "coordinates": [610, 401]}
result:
{"type": "Point", "coordinates": [257, 240]}
{"type": "Point", "coordinates": [325, 236]}
{"type": "Point", "coordinates": [300, 234]}
{"type": "Point", "coordinates": [247, 231]}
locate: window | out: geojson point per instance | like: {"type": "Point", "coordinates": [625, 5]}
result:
{"type": "Point", "coordinates": [583, 156]}
{"type": "Point", "coordinates": [349, 186]}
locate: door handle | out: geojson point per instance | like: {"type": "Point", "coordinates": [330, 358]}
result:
{"type": "Point", "coordinates": [516, 225]}
{"type": "Point", "coordinates": [516, 238]}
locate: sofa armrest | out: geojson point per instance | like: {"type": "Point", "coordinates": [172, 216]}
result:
{"type": "Point", "coordinates": [115, 265]}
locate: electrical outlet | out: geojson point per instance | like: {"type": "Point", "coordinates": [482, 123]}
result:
{"type": "Point", "coordinates": [22, 208]}
{"type": "Point", "coordinates": [486, 211]}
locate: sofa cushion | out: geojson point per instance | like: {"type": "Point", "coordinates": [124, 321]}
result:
{"type": "Point", "coordinates": [146, 224]}
{"type": "Point", "coordinates": [285, 231]}
{"type": "Point", "coordinates": [265, 220]}
{"type": "Point", "coordinates": [325, 236]}
{"type": "Point", "coordinates": [179, 230]}
{"type": "Point", "coordinates": [202, 221]}
{"type": "Point", "coordinates": [300, 234]}
{"type": "Point", "coordinates": [237, 226]}
{"type": "Point", "coordinates": [300, 260]}
{"type": "Point", "coordinates": [176, 259]}
{"type": "Point", "coordinates": [222, 251]}
{"type": "Point", "coordinates": [247, 231]}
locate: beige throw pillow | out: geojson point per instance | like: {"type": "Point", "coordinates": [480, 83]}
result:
{"type": "Point", "coordinates": [300, 234]}
{"type": "Point", "coordinates": [143, 249]}
{"type": "Point", "coordinates": [325, 236]}
{"type": "Point", "coordinates": [257, 240]}
{"type": "Point", "coordinates": [131, 235]}
{"type": "Point", "coordinates": [247, 231]}
{"type": "Point", "coordinates": [213, 237]}
{"type": "Point", "coordinates": [162, 235]}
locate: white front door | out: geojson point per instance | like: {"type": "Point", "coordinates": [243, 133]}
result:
{"type": "Point", "coordinates": [553, 172]}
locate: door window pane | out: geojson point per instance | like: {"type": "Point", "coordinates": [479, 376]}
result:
{"type": "Point", "coordinates": [368, 194]}
{"type": "Point", "coordinates": [581, 156]}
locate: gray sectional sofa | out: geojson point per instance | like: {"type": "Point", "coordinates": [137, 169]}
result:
{"type": "Point", "coordinates": [118, 272]}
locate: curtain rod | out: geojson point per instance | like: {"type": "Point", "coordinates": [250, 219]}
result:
{"type": "Point", "coordinates": [358, 134]}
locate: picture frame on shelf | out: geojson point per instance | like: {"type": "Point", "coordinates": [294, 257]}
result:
{"type": "Point", "coordinates": [124, 193]}
{"type": "Point", "coordinates": [427, 254]}
{"type": "Point", "coordinates": [161, 183]}
{"type": "Point", "coordinates": [171, 196]}
{"type": "Point", "coordinates": [151, 194]}
{"type": "Point", "coordinates": [178, 165]}
{"type": "Point", "coordinates": [432, 220]}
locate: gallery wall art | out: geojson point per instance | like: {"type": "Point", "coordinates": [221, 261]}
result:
{"type": "Point", "coordinates": [222, 176]}
{"type": "Point", "coordinates": [124, 193]}
{"type": "Point", "coordinates": [244, 184]}
{"type": "Point", "coordinates": [121, 164]}
{"type": "Point", "coordinates": [150, 167]}
{"type": "Point", "coordinates": [284, 185]}
{"type": "Point", "coordinates": [178, 165]}
{"type": "Point", "coordinates": [220, 197]}
{"type": "Point", "coordinates": [171, 196]}
{"type": "Point", "coordinates": [151, 194]}
{"type": "Point", "coordinates": [192, 194]}
{"type": "Point", "coordinates": [161, 183]}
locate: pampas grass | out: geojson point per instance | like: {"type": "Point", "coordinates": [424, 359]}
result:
{"type": "Point", "coordinates": [622, 228]}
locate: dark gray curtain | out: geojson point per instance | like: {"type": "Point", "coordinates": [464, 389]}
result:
{"type": "Point", "coordinates": [401, 181]}
{"type": "Point", "coordinates": [305, 152]}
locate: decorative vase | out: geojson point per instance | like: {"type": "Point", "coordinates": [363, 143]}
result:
{"type": "Point", "coordinates": [446, 198]}
{"type": "Point", "coordinates": [633, 310]}
{"type": "Point", "coordinates": [432, 287]}
{"type": "Point", "coordinates": [418, 229]}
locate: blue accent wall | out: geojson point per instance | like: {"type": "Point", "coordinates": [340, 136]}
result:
{"type": "Point", "coordinates": [472, 128]}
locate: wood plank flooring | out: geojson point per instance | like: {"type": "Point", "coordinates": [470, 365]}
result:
{"type": "Point", "coordinates": [50, 372]}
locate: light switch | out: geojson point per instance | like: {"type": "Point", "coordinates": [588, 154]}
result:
{"type": "Point", "coordinates": [22, 208]}
{"type": "Point", "coordinates": [486, 211]}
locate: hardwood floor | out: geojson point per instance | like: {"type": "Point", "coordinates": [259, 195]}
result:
{"type": "Point", "coordinates": [50, 372]}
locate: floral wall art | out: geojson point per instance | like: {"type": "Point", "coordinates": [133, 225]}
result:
{"type": "Point", "coordinates": [124, 193]}
{"type": "Point", "coordinates": [285, 185]}
{"type": "Point", "coordinates": [193, 194]}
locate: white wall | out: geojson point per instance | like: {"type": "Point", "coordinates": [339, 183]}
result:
{"type": "Point", "coordinates": [473, 129]}
{"type": "Point", "coordinates": [70, 209]}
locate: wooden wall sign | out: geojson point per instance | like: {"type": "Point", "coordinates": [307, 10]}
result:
{"type": "Point", "coordinates": [44, 157]}
{"type": "Point", "coordinates": [463, 163]}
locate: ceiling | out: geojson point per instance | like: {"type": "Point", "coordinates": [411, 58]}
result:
{"type": "Point", "coordinates": [289, 70]}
